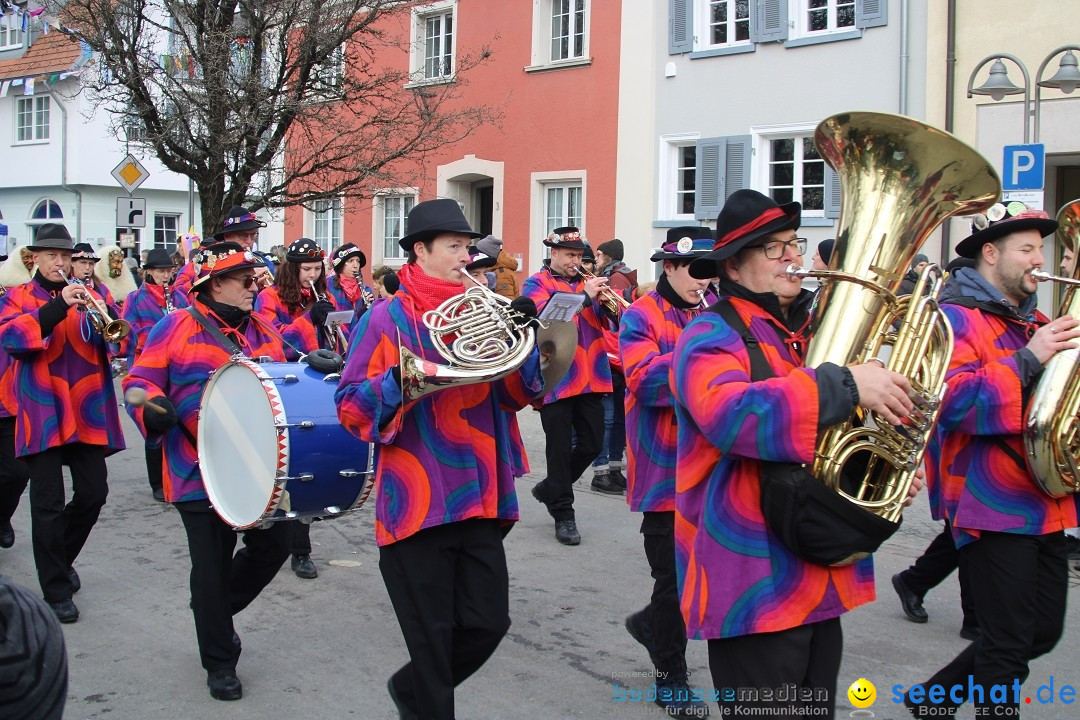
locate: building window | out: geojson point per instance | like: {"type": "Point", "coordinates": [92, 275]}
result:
{"type": "Point", "coordinates": [395, 213]}
{"type": "Point", "coordinates": [828, 15]}
{"type": "Point", "coordinates": [47, 210]}
{"type": "Point", "coordinates": [727, 22]}
{"type": "Point", "coordinates": [166, 230]}
{"type": "Point", "coordinates": [433, 51]}
{"type": "Point", "coordinates": [330, 73]}
{"type": "Point", "coordinates": [685, 175]}
{"type": "Point", "coordinates": [31, 119]}
{"type": "Point", "coordinates": [562, 206]}
{"type": "Point", "coordinates": [327, 232]}
{"type": "Point", "coordinates": [11, 35]}
{"type": "Point", "coordinates": [567, 29]}
{"type": "Point", "coordinates": [796, 172]}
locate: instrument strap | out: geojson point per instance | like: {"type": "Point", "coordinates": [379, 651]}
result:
{"type": "Point", "coordinates": [215, 333]}
{"type": "Point", "coordinates": [759, 365]}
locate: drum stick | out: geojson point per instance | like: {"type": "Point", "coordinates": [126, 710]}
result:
{"type": "Point", "coordinates": [136, 397]}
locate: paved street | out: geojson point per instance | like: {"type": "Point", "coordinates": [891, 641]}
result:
{"type": "Point", "coordinates": [325, 648]}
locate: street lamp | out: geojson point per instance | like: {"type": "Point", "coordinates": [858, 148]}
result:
{"type": "Point", "coordinates": [998, 84]}
{"type": "Point", "coordinates": [1066, 79]}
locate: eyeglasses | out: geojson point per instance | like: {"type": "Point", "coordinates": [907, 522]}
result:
{"type": "Point", "coordinates": [776, 249]}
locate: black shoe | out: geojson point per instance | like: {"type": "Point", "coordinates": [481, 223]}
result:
{"type": "Point", "coordinates": [674, 695]}
{"type": "Point", "coordinates": [638, 627]}
{"type": "Point", "coordinates": [7, 534]}
{"type": "Point", "coordinates": [159, 495]}
{"type": "Point", "coordinates": [65, 610]}
{"type": "Point", "coordinates": [536, 494]}
{"type": "Point", "coordinates": [76, 583]}
{"type": "Point", "coordinates": [911, 602]}
{"type": "Point", "coordinates": [224, 685]}
{"type": "Point", "coordinates": [567, 533]}
{"type": "Point", "coordinates": [617, 478]}
{"type": "Point", "coordinates": [1072, 546]}
{"type": "Point", "coordinates": [403, 712]}
{"type": "Point", "coordinates": [601, 482]}
{"type": "Point", "coordinates": [970, 633]}
{"type": "Point", "coordinates": [303, 567]}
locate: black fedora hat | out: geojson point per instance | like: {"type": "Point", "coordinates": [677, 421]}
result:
{"type": "Point", "coordinates": [51, 236]}
{"type": "Point", "coordinates": [435, 217]}
{"type": "Point", "coordinates": [158, 258]}
{"type": "Point", "coordinates": [684, 243]}
{"type": "Point", "coordinates": [237, 220]}
{"type": "Point", "coordinates": [479, 260]}
{"type": "Point", "coordinates": [1001, 220]}
{"type": "Point", "coordinates": [568, 238]}
{"type": "Point", "coordinates": [746, 216]}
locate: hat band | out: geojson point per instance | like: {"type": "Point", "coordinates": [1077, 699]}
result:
{"type": "Point", "coordinates": [763, 219]}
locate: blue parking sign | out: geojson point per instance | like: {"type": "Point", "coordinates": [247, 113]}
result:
{"type": "Point", "coordinates": [1024, 167]}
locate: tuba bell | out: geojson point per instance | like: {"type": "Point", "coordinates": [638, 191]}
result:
{"type": "Point", "coordinates": [899, 180]}
{"type": "Point", "coordinates": [1052, 424]}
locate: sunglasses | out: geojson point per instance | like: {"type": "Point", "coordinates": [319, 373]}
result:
{"type": "Point", "coordinates": [248, 281]}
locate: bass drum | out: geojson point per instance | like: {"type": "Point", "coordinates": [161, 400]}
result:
{"type": "Point", "coordinates": [271, 447]}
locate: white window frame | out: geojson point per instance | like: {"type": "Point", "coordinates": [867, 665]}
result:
{"type": "Point", "coordinates": [11, 34]}
{"type": "Point", "coordinates": [543, 15]}
{"type": "Point", "coordinates": [162, 232]}
{"type": "Point", "coordinates": [331, 71]}
{"type": "Point", "coordinates": [331, 214]}
{"type": "Point", "coordinates": [703, 28]}
{"type": "Point", "coordinates": [541, 182]}
{"type": "Point", "coordinates": [39, 130]}
{"type": "Point", "coordinates": [802, 15]}
{"type": "Point", "coordinates": [760, 176]}
{"type": "Point", "coordinates": [395, 255]}
{"type": "Point", "coordinates": [418, 48]}
{"type": "Point", "coordinates": [668, 185]}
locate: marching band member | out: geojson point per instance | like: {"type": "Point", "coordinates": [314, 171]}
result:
{"type": "Point", "coordinates": [14, 475]}
{"type": "Point", "coordinates": [346, 286]}
{"type": "Point", "coordinates": [67, 412]}
{"type": "Point", "coordinates": [242, 227]}
{"type": "Point", "coordinates": [648, 332]}
{"type": "Point", "coordinates": [143, 309]}
{"type": "Point", "coordinates": [180, 352]}
{"type": "Point", "coordinates": [573, 408]}
{"type": "Point", "coordinates": [1008, 531]}
{"type": "Point", "coordinates": [113, 276]}
{"type": "Point", "coordinates": [444, 476]}
{"type": "Point", "coordinates": [771, 618]}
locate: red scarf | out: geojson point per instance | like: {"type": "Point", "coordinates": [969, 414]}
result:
{"type": "Point", "coordinates": [157, 292]}
{"type": "Point", "coordinates": [426, 292]}
{"type": "Point", "coordinates": [350, 286]}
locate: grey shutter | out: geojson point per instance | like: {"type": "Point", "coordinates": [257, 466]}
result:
{"type": "Point", "coordinates": [711, 162]}
{"type": "Point", "coordinates": [871, 13]}
{"type": "Point", "coordinates": [680, 26]}
{"type": "Point", "coordinates": [772, 21]}
{"type": "Point", "coordinates": [832, 193]}
{"type": "Point", "coordinates": [736, 164]}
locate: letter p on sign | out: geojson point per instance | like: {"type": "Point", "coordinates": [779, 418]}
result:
{"type": "Point", "coordinates": [1024, 167]}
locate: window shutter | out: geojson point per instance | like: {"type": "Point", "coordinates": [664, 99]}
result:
{"type": "Point", "coordinates": [680, 26]}
{"type": "Point", "coordinates": [772, 21]}
{"type": "Point", "coordinates": [711, 163]}
{"type": "Point", "coordinates": [832, 193]}
{"type": "Point", "coordinates": [736, 164]}
{"type": "Point", "coordinates": [871, 13]}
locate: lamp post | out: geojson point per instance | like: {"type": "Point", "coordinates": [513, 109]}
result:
{"type": "Point", "coordinates": [998, 85]}
{"type": "Point", "coordinates": [1066, 79]}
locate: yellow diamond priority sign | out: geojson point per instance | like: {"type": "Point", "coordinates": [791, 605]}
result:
{"type": "Point", "coordinates": [130, 173]}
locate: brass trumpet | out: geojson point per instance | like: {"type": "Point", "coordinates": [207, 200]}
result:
{"type": "Point", "coordinates": [613, 301]}
{"type": "Point", "coordinates": [112, 329]}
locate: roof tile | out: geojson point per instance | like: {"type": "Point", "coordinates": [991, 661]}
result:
{"type": "Point", "coordinates": [55, 52]}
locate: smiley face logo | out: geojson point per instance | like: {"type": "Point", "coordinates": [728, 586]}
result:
{"type": "Point", "coordinates": [862, 693]}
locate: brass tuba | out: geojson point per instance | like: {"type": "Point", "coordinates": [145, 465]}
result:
{"type": "Point", "coordinates": [899, 179]}
{"type": "Point", "coordinates": [1052, 423]}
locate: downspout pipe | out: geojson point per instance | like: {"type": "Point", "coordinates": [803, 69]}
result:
{"type": "Point", "coordinates": [63, 164]}
{"type": "Point", "coordinates": [950, 95]}
{"type": "Point", "coordinates": [904, 56]}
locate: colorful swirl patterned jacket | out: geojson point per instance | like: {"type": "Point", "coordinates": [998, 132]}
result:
{"type": "Point", "coordinates": [142, 309]}
{"type": "Point", "coordinates": [295, 326]}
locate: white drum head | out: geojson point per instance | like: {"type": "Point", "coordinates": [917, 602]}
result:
{"type": "Point", "coordinates": [238, 444]}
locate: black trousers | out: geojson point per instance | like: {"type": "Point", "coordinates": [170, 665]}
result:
{"type": "Point", "coordinates": [450, 590]}
{"type": "Point", "coordinates": [300, 538]}
{"type": "Point", "coordinates": [60, 530]}
{"type": "Point", "coordinates": [154, 471]}
{"type": "Point", "coordinates": [807, 656]}
{"type": "Point", "coordinates": [14, 474]}
{"type": "Point", "coordinates": [223, 584]}
{"type": "Point", "coordinates": [1020, 584]}
{"type": "Point", "coordinates": [663, 613]}
{"type": "Point", "coordinates": [935, 564]}
{"type": "Point", "coordinates": [580, 417]}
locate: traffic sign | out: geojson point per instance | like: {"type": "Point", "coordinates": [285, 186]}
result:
{"type": "Point", "coordinates": [130, 212]}
{"type": "Point", "coordinates": [1024, 167]}
{"type": "Point", "coordinates": [130, 174]}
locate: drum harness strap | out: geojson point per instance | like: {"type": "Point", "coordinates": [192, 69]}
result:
{"type": "Point", "coordinates": [215, 333]}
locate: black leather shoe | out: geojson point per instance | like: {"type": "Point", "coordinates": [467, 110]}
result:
{"type": "Point", "coordinates": [7, 535]}
{"type": "Point", "coordinates": [567, 533]}
{"type": "Point", "coordinates": [303, 567]}
{"type": "Point", "coordinates": [602, 483]}
{"type": "Point", "coordinates": [159, 494]}
{"type": "Point", "coordinates": [970, 633]}
{"type": "Point", "coordinates": [65, 610]}
{"type": "Point", "coordinates": [536, 494]}
{"type": "Point", "coordinates": [617, 478]}
{"type": "Point", "coordinates": [76, 583]}
{"type": "Point", "coordinates": [224, 685]}
{"type": "Point", "coordinates": [911, 602]}
{"type": "Point", "coordinates": [638, 627]}
{"type": "Point", "coordinates": [404, 713]}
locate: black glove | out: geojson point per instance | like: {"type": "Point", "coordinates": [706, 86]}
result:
{"type": "Point", "coordinates": [159, 422]}
{"type": "Point", "coordinates": [319, 311]}
{"type": "Point", "coordinates": [525, 309]}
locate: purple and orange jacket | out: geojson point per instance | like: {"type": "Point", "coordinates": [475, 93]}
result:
{"type": "Point", "coordinates": [8, 402]}
{"type": "Point", "coordinates": [341, 300]}
{"type": "Point", "coordinates": [63, 381]}
{"type": "Point", "coordinates": [648, 332]}
{"type": "Point", "coordinates": [735, 576]}
{"type": "Point", "coordinates": [176, 362]}
{"type": "Point", "coordinates": [142, 311]}
{"type": "Point", "coordinates": [296, 328]}
{"type": "Point", "coordinates": [983, 486]}
{"type": "Point", "coordinates": [446, 457]}
{"type": "Point", "coordinates": [590, 372]}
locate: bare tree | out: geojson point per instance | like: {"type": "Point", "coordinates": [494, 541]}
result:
{"type": "Point", "coordinates": [273, 103]}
